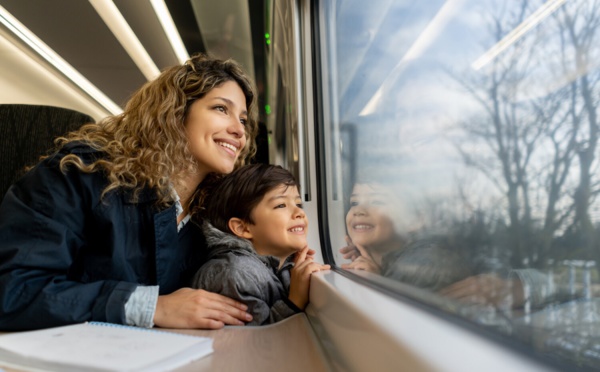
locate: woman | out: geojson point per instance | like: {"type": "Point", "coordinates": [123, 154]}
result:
{"type": "Point", "coordinates": [99, 230]}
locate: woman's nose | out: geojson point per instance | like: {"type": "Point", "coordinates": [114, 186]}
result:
{"type": "Point", "coordinates": [237, 128]}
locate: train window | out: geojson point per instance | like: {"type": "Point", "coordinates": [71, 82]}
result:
{"type": "Point", "coordinates": [461, 141]}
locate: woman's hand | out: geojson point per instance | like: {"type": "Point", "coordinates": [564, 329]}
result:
{"type": "Point", "coordinates": [304, 266]}
{"type": "Point", "coordinates": [197, 308]}
{"type": "Point", "coordinates": [486, 289]}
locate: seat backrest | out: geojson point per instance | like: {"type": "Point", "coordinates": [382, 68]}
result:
{"type": "Point", "coordinates": [28, 132]}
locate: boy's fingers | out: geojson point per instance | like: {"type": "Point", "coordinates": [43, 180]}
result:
{"type": "Point", "coordinates": [303, 264]}
{"type": "Point", "coordinates": [363, 252]}
{"type": "Point", "coordinates": [314, 266]}
{"type": "Point", "coordinates": [348, 240]}
{"type": "Point", "coordinates": [301, 256]}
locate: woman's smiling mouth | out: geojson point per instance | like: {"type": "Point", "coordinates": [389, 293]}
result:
{"type": "Point", "coordinates": [230, 148]}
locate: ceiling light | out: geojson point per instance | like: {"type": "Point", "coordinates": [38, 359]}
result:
{"type": "Point", "coordinates": [539, 15]}
{"type": "Point", "coordinates": [164, 16]}
{"type": "Point", "coordinates": [421, 43]}
{"type": "Point", "coordinates": [49, 55]}
{"type": "Point", "coordinates": [120, 28]}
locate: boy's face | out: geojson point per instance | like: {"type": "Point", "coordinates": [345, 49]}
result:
{"type": "Point", "coordinates": [368, 221]}
{"type": "Point", "coordinates": [280, 224]}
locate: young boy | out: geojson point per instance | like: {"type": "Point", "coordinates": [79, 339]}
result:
{"type": "Point", "coordinates": [257, 241]}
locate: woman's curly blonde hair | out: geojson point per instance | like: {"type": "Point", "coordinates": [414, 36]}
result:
{"type": "Point", "coordinates": [146, 146]}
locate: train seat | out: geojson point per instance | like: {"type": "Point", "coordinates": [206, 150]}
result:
{"type": "Point", "coordinates": [28, 131]}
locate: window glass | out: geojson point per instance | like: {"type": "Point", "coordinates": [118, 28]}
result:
{"type": "Point", "coordinates": [461, 140]}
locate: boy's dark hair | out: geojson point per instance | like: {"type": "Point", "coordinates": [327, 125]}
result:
{"type": "Point", "coordinates": [238, 193]}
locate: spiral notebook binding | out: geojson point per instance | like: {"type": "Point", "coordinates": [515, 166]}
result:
{"type": "Point", "coordinates": [114, 325]}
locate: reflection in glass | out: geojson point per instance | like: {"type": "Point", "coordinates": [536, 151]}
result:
{"type": "Point", "coordinates": [388, 243]}
{"type": "Point", "coordinates": [477, 123]}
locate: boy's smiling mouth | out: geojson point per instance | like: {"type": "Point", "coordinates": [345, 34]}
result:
{"type": "Point", "coordinates": [362, 227]}
{"type": "Point", "coordinates": [297, 229]}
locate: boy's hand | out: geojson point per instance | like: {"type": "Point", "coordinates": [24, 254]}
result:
{"type": "Point", "coordinates": [350, 252]}
{"type": "Point", "coordinates": [363, 263]}
{"type": "Point", "coordinates": [304, 266]}
{"type": "Point", "coordinates": [197, 308]}
{"type": "Point", "coordinates": [361, 258]}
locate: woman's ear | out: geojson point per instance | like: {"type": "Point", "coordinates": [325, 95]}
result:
{"type": "Point", "coordinates": [239, 228]}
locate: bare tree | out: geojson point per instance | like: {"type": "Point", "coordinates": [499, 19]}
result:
{"type": "Point", "coordinates": [578, 26]}
{"type": "Point", "coordinates": [539, 143]}
{"type": "Point", "coordinates": [508, 128]}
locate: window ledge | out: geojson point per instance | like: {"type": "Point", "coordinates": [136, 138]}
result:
{"type": "Point", "coordinates": [362, 329]}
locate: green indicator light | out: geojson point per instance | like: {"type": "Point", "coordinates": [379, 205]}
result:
{"type": "Point", "coordinates": [268, 109]}
{"type": "Point", "coordinates": [269, 140]}
{"type": "Point", "coordinates": [268, 42]}
{"type": "Point", "coordinates": [267, 36]}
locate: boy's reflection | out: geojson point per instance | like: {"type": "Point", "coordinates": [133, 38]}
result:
{"type": "Point", "coordinates": [382, 240]}
{"type": "Point", "coordinates": [370, 227]}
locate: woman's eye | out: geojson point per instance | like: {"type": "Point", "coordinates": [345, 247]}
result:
{"type": "Point", "coordinates": [244, 122]}
{"type": "Point", "coordinates": [220, 108]}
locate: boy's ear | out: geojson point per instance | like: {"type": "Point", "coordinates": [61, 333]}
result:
{"type": "Point", "coordinates": [239, 228]}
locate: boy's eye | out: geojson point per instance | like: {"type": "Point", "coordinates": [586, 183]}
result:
{"type": "Point", "coordinates": [353, 203]}
{"type": "Point", "coordinates": [280, 206]}
{"type": "Point", "coordinates": [300, 205]}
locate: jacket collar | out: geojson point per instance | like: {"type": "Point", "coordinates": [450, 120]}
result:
{"type": "Point", "coordinates": [220, 242]}
{"type": "Point", "coordinates": [80, 148]}
{"type": "Point", "coordinates": [144, 196]}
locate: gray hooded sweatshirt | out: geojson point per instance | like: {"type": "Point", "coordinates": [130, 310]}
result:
{"type": "Point", "coordinates": [235, 270]}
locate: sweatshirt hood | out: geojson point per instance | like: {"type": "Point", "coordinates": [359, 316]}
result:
{"type": "Point", "coordinates": [219, 242]}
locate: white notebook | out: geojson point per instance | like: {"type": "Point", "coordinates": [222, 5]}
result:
{"type": "Point", "coordinates": [97, 346]}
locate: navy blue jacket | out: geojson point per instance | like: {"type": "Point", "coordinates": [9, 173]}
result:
{"type": "Point", "coordinates": [68, 256]}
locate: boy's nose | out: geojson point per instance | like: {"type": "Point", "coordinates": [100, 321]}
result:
{"type": "Point", "coordinates": [299, 213]}
{"type": "Point", "coordinates": [360, 212]}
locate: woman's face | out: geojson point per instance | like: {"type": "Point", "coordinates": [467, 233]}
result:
{"type": "Point", "coordinates": [215, 127]}
{"type": "Point", "coordinates": [369, 221]}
